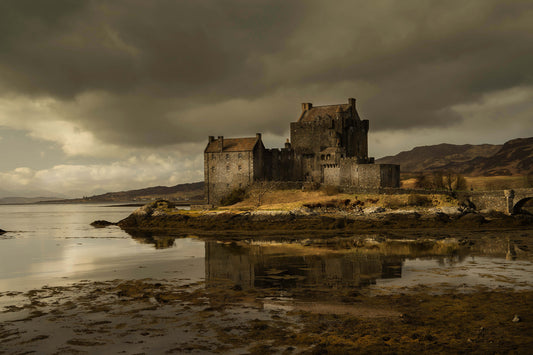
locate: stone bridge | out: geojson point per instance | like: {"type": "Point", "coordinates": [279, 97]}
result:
{"type": "Point", "coordinates": [507, 201]}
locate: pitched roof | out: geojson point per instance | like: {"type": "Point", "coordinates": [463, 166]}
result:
{"type": "Point", "coordinates": [322, 112]}
{"type": "Point", "coordinates": [232, 145]}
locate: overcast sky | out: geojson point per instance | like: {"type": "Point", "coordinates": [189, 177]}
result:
{"type": "Point", "coordinates": [99, 96]}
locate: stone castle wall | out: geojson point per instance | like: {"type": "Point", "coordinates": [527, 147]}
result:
{"type": "Point", "coordinates": [225, 172]}
{"type": "Point", "coordinates": [349, 173]}
{"type": "Point", "coordinates": [329, 145]}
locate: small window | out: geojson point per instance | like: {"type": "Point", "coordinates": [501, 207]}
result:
{"type": "Point", "coordinates": [227, 156]}
{"type": "Point", "coordinates": [227, 167]}
{"type": "Point", "coordinates": [227, 185]}
{"type": "Point", "coordinates": [240, 155]}
{"type": "Point", "coordinates": [240, 184]}
{"type": "Point", "coordinates": [212, 169]}
{"type": "Point", "coordinates": [240, 167]}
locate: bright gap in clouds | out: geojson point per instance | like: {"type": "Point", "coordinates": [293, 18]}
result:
{"type": "Point", "coordinates": [83, 180]}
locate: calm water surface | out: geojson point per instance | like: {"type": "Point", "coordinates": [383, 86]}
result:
{"type": "Point", "coordinates": [55, 245]}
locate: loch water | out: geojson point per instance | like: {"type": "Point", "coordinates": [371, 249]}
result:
{"type": "Point", "coordinates": [52, 245]}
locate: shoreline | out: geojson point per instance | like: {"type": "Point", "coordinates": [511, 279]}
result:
{"type": "Point", "coordinates": [161, 217]}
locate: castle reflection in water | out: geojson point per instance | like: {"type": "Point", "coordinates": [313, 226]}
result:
{"type": "Point", "coordinates": [292, 267]}
{"type": "Point", "coordinates": [312, 265]}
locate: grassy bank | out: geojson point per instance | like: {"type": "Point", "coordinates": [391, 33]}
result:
{"type": "Point", "coordinates": [287, 200]}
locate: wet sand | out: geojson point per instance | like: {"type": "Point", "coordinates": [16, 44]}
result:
{"type": "Point", "coordinates": [149, 316]}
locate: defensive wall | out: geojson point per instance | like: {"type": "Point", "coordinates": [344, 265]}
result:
{"type": "Point", "coordinates": [506, 201]}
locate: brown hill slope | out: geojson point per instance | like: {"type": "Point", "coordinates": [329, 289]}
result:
{"type": "Point", "coordinates": [190, 191]}
{"type": "Point", "coordinates": [512, 158]}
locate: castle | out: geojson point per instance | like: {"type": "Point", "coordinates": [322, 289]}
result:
{"type": "Point", "coordinates": [328, 145]}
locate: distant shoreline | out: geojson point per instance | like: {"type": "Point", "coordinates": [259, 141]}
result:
{"type": "Point", "coordinates": [106, 203]}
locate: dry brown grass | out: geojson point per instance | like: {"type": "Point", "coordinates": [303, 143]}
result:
{"type": "Point", "coordinates": [484, 183]}
{"type": "Point", "coordinates": [286, 200]}
{"type": "Point", "coordinates": [481, 183]}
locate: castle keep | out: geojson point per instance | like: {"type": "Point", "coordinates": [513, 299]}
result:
{"type": "Point", "coordinates": [328, 145]}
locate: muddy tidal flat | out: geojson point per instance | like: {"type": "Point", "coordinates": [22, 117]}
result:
{"type": "Point", "coordinates": [145, 316]}
{"type": "Point", "coordinates": [80, 289]}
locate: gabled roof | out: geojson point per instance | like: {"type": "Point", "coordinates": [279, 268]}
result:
{"type": "Point", "coordinates": [317, 112]}
{"type": "Point", "coordinates": [233, 145]}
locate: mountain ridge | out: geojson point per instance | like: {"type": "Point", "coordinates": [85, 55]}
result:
{"type": "Point", "coordinates": [514, 157]}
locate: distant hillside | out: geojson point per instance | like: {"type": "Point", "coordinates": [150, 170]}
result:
{"type": "Point", "coordinates": [512, 158]}
{"type": "Point", "coordinates": [23, 200]}
{"type": "Point", "coordinates": [184, 192]}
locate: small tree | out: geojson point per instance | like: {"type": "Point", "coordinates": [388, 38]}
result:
{"type": "Point", "coordinates": [422, 181]}
{"type": "Point", "coordinates": [453, 181]}
{"type": "Point", "coordinates": [460, 182]}
{"type": "Point", "coordinates": [438, 180]}
{"type": "Point", "coordinates": [259, 189]}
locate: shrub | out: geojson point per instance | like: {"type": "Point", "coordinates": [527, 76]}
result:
{"type": "Point", "coordinates": [393, 202]}
{"type": "Point", "coordinates": [418, 200]}
{"type": "Point", "coordinates": [330, 190]}
{"type": "Point", "coordinates": [233, 197]}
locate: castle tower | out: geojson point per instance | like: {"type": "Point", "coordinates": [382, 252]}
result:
{"type": "Point", "coordinates": [320, 129]}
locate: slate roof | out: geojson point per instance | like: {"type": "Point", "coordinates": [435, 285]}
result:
{"type": "Point", "coordinates": [232, 145]}
{"type": "Point", "coordinates": [322, 112]}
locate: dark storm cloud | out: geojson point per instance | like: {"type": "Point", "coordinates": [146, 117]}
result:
{"type": "Point", "coordinates": [162, 72]}
{"type": "Point", "coordinates": [171, 47]}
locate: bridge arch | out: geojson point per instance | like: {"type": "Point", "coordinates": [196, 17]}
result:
{"type": "Point", "coordinates": [517, 208]}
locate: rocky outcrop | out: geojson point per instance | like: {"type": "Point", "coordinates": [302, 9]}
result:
{"type": "Point", "coordinates": [2, 231]}
{"type": "Point", "coordinates": [102, 224]}
{"type": "Point", "coordinates": [161, 215]}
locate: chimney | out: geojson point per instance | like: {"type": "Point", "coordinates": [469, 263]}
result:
{"type": "Point", "coordinates": [351, 101]}
{"type": "Point", "coordinates": [221, 142]}
{"type": "Point", "coordinates": [211, 139]}
{"type": "Point", "coordinates": [306, 106]}
{"type": "Point", "coordinates": [287, 144]}
{"type": "Point", "coordinates": [258, 136]}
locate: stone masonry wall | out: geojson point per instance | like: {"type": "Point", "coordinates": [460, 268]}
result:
{"type": "Point", "coordinates": [226, 172]}
{"type": "Point", "coordinates": [332, 175]}
{"type": "Point", "coordinates": [367, 175]}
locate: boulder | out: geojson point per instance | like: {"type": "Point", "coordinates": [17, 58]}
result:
{"type": "Point", "coordinates": [450, 210]}
{"type": "Point", "coordinates": [375, 209]}
{"type": "Point", "coordinates": [2, 231]}
{"type": "Point", "coordinates": [101, 224]}
{"type": "Point", "coordinates": [472, 218]}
